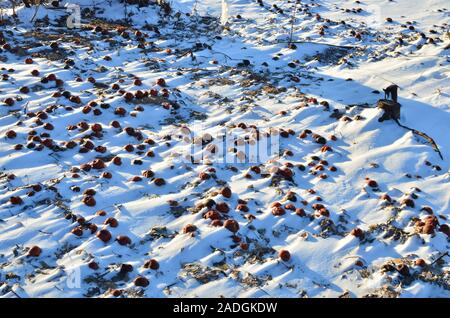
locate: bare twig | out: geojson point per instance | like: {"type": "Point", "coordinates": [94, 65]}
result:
{"type": "Point", "coordinates": [12, 291]}
{"type": "Point", "coordinates": [439, 258]}
{"type": "Point", "coordinates": [291, 32]}
{"type": "Point", "coordinates": [35, 12]}
{"type": "Point", "coordinates": [227, 56]}
{"type": "Point", "coordinates": [320, 43]}
{"type": "Point", "coordinates": [423, 135]}
{"type": "Point", "coordinates": [14, 4]}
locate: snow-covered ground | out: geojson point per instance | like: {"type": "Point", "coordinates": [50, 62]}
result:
{"type": "Point", "coordinates": [363, 213]}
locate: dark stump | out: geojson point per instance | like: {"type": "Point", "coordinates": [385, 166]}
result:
{"type": "Point", "coordinates": [391, 110]}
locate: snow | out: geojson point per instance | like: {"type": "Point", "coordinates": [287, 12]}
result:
{"type": "Point", "coordinates": [214, 93]}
